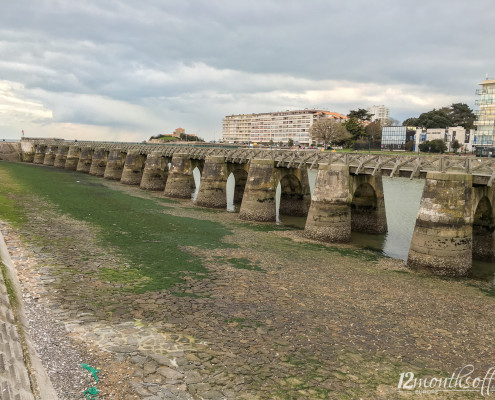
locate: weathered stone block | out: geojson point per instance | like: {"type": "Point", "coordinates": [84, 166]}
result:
{"type": "Point", "coordinates": [180, 182]}
{"type": "Point", "coordinates": [258, 203]}
{"type": "Point", "coordinates": [85, 159]}
{"type": "Point", "coordinates": [61, 157]}
{"type": "Point", "coordinates": [132, 171]}
{"type": "Point", "coordinates": [212, 190]}
{"type": "Point", "coordinates": [99, 162]}
{"type": "Point", "coordinates": [72, 158]}
{"type": "Point", "coordinates": [442, 238]}
{"type": "Point", "coordinates": [115, 164]}
{"type": "Point", "coordinates": [50, 154]}
{"type": "Point", "coordinates": [155, 172]}
{"type": "Point", "coordinates": [329, 217]}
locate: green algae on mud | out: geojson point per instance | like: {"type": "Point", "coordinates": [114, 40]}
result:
{"type": "Point", "coordinates": [149, 239]}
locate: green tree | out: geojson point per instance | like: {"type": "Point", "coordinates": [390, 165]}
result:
{"type": "Point", "coordinates": [360, 114]}
{"type": "Point", "coordinates": [392, 122]}
{"type": "Point", "coordinates": [435, 119]}
{"type": "Point", "coordinates": [355, 127]}
{"type": "Point", "coordinates": [409, 146]}
{"type": "Point", "coordinates": [374, 129]}
{"type": "Point", "coordinates": [411, 122]}
{"type": "Point", "coordinates": [462, 115]}
{"type": "Point", "coordinates": [290, 142]}
{"type": "Point", "coordinates": [434, 146]}
{"type": "Point", "coordinates": [457, 114]}
{"type": "Point", "coordinates": [456, 145]}
{"type": "Point", "coordinates": [329, 132]}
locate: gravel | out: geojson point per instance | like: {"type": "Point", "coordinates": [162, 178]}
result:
{"type": "Point", "coordinates": [61, 358]}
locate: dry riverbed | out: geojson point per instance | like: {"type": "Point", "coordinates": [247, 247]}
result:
{"type": "Point", "coordinates": [276, 316]}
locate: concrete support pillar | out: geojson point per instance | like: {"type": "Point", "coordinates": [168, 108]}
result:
{"type": "Point", "coordinates": [27, 151]}
{"type": "Point", "coordinates": [258, 203]}
{"type": "Point", "coordinates": [50, 153]}
{"type": "Point", "coordinates": [115, 164]}
{"type": "Point", "coordinates": [155, 172]}
{"type": "Point", "coordinates": [133, 168]}
{"type": "Point", "coordinates": [85, 159]}
{"type": "Point", "coordinates": [213, 188]}
{"type": "Point", "coordinates": [368, 204]}
{"type": "Point", "coordinates": [61, 157]}
{"type": "Point", "coordinates": [180, 182]}
{"type": "Point", "coordinates": [39, 154]}
{"type": "Point", "coordinates": [295, 194]}
{"type": "Point", "coordinates": [99, 162]}
{"type": "Point", "coordinates": [72, 158]}
{"type": "Point", "coordinates": [442, 238]}
{"type": "Point", "coordinates": [329, 217]}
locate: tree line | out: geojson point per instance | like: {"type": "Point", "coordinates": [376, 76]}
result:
{"type": "Point", "coordinates": [358, 130]}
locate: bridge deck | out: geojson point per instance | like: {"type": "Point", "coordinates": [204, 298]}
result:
{"type": "Point", "coordinates": [483, 170]}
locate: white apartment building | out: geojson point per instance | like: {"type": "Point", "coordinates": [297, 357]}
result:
{"type": "Point", "coordinates": [379, 113]}
{"type": "Point", "coordinates": [274, 127]}
{"type": "Point", "coordinates": [463, 136]}
{"type": "Point", "coordinates": [485, 116]}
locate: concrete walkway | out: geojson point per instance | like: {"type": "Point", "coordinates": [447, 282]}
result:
{"type": "Point", "coordinates": [22, 377]}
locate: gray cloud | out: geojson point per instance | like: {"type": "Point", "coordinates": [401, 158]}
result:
{"type": "Point", "coordinates": [190, 63]}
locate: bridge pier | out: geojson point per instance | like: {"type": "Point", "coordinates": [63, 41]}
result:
{"type": "Point", "coordinates": [442, 238]}
{"type": "Point", "coordinates": [27, 151]}
{"type": "Point", "coordinates": [155, 172]}
{"type": "Point", "coordinates": [39, 154]}
{"type": "Point", "coordinates": [132, 171]}
{"type": "Point", "coordinates": [85, 160]}
{"type": "Point", "coordinates": [50, 154]}
{"type": "Point", "coordinates": [72, 158]}
{"type": "Point", "coordinates": [343, 203]}
{"type": "Point", "coordinates": [329, 217]}
{"type": "Point", "coordinates": [213, 188]}
{"type": "Point", "coordinates": [180, 181]}
{"type": "Point", "coordinates": [99, 162]}
{"type": "Point", "coordinates": [115, 164]}
{"type": "Point", "coordinates": [258, 203]}
{"type": "Point", "coordinates": [61, 157]}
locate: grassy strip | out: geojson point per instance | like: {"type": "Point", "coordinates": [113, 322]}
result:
{"type": "Point", "coordinates": [141, 230]}
{"type": "Point", "coordinates": [14, 301]}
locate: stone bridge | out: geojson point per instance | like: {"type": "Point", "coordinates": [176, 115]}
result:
{"type": "Point", "coordinates": [455, 221]}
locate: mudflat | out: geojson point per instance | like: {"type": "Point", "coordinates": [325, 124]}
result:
{"type": "Point", "coordinates": [172, 301]}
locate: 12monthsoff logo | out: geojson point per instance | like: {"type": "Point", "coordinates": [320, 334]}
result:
{"type": "Point", "coordinates": [462, 381]}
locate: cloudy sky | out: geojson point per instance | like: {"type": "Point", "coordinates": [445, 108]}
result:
{"type": "Point", "coordinates": [129, 69]}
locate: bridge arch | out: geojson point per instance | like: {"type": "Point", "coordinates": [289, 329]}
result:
{"type": "Point", "coordinates": [293, 194]}
{"type": "Point", "coordinates": [236, 184]}
{"type": "Point", "coordinates": [367, 204]}
{"type": "Point", "coordinates": [483, 230]}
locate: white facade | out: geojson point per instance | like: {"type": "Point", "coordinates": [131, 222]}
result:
{"type": "Point", "coordinates": [485, 116]}
{"type": "Point", "coordinates": [379, 113]}
{"type": "Point", "coordinates": [463, 136]}
{"type": "Point", "coordinates": [274, 127]}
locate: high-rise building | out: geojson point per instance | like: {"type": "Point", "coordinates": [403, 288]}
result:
{"type": "Point", "coordinates": [379, 113]}
{"type": "Point", "coordinates": [274, 127]}
{"type": "Point", "coordinates": [485, 116]}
